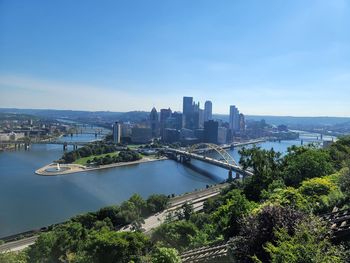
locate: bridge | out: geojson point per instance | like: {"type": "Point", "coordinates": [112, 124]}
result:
{"type": "Point", "coordinates": [224, 161]}
{"type": "Point", "coordinates": [65, 144]}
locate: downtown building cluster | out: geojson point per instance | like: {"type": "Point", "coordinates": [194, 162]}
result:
{"type": "Point", "coordinates": [192, 125]}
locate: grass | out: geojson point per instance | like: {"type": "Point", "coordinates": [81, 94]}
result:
{"type": "Point", "coordinates": [83, 161]}
{"type": "Point", "coordinates": [134, 146]}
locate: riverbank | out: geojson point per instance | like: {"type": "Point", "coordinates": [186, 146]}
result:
{"type": "Point", "coordinates": [51, 169]}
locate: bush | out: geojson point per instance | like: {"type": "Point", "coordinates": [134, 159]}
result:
{"type": "Point", "coordinates": [258, 229]}
{"type": "Point", "coordinates": [175, 234]}
{"type": "Point", "coordinates": [309, 243]}
{"type": "Point", "coordinates": [305, 162]}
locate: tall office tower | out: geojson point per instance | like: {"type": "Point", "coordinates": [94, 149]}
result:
{"type": "Point", "coordinates": [211, 131]}
{"type": "Point", "coordinates": [222, 135]}
{"type": "Point", "coordinates": [116, 132]}
{"type": "Point", "coordinates": [174, 121]}
{"type": "Point", "coordinates": [154, 122]}
{"type": "Point", "coordinates": [234, 118]}
{"type": "Point", "coordinates": [201, 119]}
{"type": "Point", "coordinates": [194, 124]}
{"type": "Point", "coordinates": [177, 118]}
{"type": "Point", "coordinates": [208, 110]}
{"type": "Point", "coordinates": [187, 111]}
{"type": "Point", "coordinates": [241, 122]}
{"type": "Point", "coordinates": [164, 115]}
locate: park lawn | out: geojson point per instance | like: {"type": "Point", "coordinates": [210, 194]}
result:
{"type": "Point", "coordinates": [83, 161]}
{"type": "Point", "coordinates": [134, 146]}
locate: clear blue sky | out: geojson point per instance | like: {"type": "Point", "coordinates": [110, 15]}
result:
{"type": "Point", "coordinates": [266, 57]}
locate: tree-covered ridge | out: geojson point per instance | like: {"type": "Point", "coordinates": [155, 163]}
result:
{"type": "Point", "coordinates": [273, 216]}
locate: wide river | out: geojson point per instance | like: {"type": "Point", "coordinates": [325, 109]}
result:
{"type": "Point", "coordinates": [29, 201]}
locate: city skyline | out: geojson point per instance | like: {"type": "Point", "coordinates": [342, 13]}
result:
{"type": "Point", "coordinates": [121, 57]}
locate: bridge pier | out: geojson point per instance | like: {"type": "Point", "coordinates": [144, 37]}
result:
{"type": "Point", "coordinates": [230, 179]}
{"type": "Point", "coordinates": [65, 146]}
{"type": "Point", "coordinates": [184, 159]}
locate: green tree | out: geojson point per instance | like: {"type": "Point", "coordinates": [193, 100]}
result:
{"type": "Point", "coordinates": [228, 215]}
{"type": "Point", "coordinates": [344, 182]}
{"type": "Point", "coordinates": [175, 234]}
{"type": "Point", "coordinates": [258, 229]}
{"type": "Point", "coordinates": [305, 162]}
{"type": "Point", "coordinates": [339, 152]}
{"type": "Point", "coordinates": [165, 255]}
{"type": "Point", "coordinates": [309, 243]}
{"type": "Point", "coordinates": [289, 197]}
{"type": "Point", "coordinates": [187, 211]}
{"type": "Point", "coordinates": [13, 257]}
{"type": "Point", "coordinates": [266, 166]}
{"type": "Point", "coordinates": [108, 246]}
{"type": "Point", "coordinates": [156, 203]}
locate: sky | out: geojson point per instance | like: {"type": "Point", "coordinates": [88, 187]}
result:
{"type": "Point", "coordinates": [266, 57]}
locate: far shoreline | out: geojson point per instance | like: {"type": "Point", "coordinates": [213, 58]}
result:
{"type": "Point", "coordinates": [77, 168]}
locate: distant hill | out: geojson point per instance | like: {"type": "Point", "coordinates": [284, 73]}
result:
{"type": "Point", "coordinates": [135, 116]}
{"type": "Point", "coordinates": [290, 120]}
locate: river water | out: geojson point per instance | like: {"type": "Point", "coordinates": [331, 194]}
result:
{"type": "Point", "coordinates": [29, 201]}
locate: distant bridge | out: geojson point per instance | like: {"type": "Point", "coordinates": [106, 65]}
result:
{"type": "Point", "coordinates": [65, 144]}
{"type": "Point", "coordinates": [225, 160]}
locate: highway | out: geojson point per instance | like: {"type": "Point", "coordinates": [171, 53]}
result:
{"type": "Point", "coordinates": [197, 199]}
{"type": "Point", "coordinates": [18, 244]}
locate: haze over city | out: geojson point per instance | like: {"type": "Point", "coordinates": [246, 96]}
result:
{"type": "Point", "coordinates": [267, 57]}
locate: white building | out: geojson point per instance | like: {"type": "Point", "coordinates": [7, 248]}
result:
{"type": "Point", "coordinates": [116, 132]}
{"type": "Point", "coordinates": [234, 119]}
{"type": "Point", "coordinates": [208, 110]}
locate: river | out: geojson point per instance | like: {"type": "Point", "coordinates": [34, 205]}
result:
{"type": "Point", "coordinates": [29, 201]}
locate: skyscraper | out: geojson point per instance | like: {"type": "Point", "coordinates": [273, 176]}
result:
{"type": "Point", "coordinates": [116, 132]}
{"type": "Point", "coordinates": [187, 111]}
{"type": "Point", "coordinates": [187, 105]}
{"type": "Point", "coordinates": [208, 108]}
{"type": "Point", "coordinates": [241, 122]}
{"type": "Point", "coordinates": [211, 131]}
{"type": "Point", "coordinates": [234, 118]}
{"type": "Point", "coordinates": [164, 115]}
{"type": "Point", "coordinates": [154, 122]}
{"type": "Point", "coordinates": [201, 118]}
{"type": "Point", "coordinates": [222, 135]}
{"type": "Point", "coordinates": [190, 113]}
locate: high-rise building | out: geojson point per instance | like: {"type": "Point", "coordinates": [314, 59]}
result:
{"type": "Point", "coordinates": [164, 115]}
{"type": "Point", "coordinates": [116, 132]}
{"type": "Point", "coordinates": [171, 135]}
{"type": "Point", "coordinates": [241, 122]}
{"type": "Point", "coordinates": [154, 122]}
{"type": "Point", "coordinates": [141, 135]}
{"type": "Point", "coordinates": [187, 105]}
{"type": "Point", "coordinates": [190, 114]}
{"type": "Point", "coordinates": [211, 131]}
{"type": "Point", "coordinates": [201, 118]}
{"type": "Point", "coordinates": [174, 121]}
{"type": "Point", "coordinates": [187, 112]}
{"type": "Point", "coordinates": [234, 119]}
{"type": "Point", "coordinates": [222, 135]}
{"type": "Point", "coordinates": [208, 108]}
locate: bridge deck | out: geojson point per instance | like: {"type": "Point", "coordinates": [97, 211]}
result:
{"type": "Point", "coordinates": [225, 165]}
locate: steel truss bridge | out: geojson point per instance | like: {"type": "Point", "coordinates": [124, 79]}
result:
{"type": "Point", "coordinates": [198, 151]}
